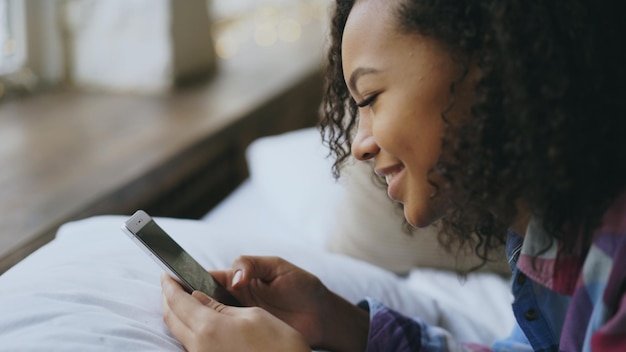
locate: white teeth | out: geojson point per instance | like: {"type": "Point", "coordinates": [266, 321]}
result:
{"type": "Point", "coordinates": [388, 179]}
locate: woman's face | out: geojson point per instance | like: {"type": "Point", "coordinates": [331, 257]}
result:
{"type": "Point", "coordinates": [402, 83]}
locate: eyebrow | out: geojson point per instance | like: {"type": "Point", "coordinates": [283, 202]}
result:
{"type": "Point", "coordinates": [356, 74]}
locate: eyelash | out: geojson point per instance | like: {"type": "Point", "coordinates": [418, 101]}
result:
{"type": "Point", "coordinates": [368, 101]}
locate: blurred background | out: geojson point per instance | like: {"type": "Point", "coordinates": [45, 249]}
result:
{"type": "Point", "coordinates": [48, 43]}
{"type": "Point", "coordinates": [108, 106]}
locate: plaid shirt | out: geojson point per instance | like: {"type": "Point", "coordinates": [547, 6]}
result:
{"type": "Point", "coordinates": [553, 311]}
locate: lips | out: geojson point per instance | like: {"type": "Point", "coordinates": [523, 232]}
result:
{"type": "Point", "coordinates": [391, 174]}
{"type": "Point", "coordinates": [388, 172]}
{"type": "Point", "coordinates": [388, 178]}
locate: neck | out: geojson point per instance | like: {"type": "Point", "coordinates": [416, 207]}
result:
{"type": "Point", "coordinates": [520, 224]}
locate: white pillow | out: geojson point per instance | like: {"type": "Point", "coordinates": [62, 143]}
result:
{"type": "Point", "coordinates": [92, 289]}
{"type": "Point", "coordinates": [292, 172]}
{"type": "Point", "coordinates": [372, 228]}
{"type": "Point", "coordinates": [353, 216]}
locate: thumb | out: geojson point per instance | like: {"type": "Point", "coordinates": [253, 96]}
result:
{"type": "Point", "coordinates": [247, 268]}
{"type": "Point", "coordinates": [222, 276]}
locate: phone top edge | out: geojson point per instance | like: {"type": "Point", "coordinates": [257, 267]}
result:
{"type": "Point", "coordinates": [137, 221]}
{"type": "Point", "coordinates": [131, 232]}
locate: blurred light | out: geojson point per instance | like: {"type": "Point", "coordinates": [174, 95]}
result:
{"type": "Point", "coordinates": [305, 14]}
{"type": "Point", "coordinates": [265, 34]}
{"type": "Point", "coordinates": [289, 30]}
{"type": "Point", "coordinates": [226, 46]}
{"type": "Point", "coordinates": [267, 14]}
{"type": "Point", "coordinates": [265, 24]}
{"type": "Point", "coordinates": [320, 10]}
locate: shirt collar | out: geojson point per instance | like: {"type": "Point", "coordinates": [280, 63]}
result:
{"type": "Point", "coordinates": [542, 261]}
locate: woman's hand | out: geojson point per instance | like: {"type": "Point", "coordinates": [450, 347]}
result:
{"type": "Point", "coordinates": [203, 324]}
{"type": "Point", "coordinates": [299, 299]}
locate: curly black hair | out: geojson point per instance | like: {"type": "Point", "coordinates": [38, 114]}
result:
{"type": "Point", "coordinates": [548, 124]}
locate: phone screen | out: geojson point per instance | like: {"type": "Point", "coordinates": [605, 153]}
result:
{"type": "Point", "coordinates": [182, 264]}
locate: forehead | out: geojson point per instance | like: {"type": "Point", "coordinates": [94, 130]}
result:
{"type": "Point", "coordinates": [370, 31]}
{"type": "Point", "coordinates": [369, 17]}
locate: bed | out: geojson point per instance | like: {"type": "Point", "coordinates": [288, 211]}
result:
{"type": "Point", "coordinates": [92, 289]}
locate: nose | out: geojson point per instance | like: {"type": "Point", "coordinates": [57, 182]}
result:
{"type": "Point", "coordinates": [364, 146]}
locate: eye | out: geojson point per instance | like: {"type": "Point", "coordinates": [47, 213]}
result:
{"type": "Point", "coordinates": [367, 101]}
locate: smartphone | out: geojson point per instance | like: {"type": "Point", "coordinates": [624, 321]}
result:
{"type": "Point", "coordinates": [172, 258]}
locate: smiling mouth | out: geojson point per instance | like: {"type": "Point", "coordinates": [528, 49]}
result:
{"type": "Point", "coordinates": [389, 177]}
{"type": "Point", "coordinates": [390, 173]}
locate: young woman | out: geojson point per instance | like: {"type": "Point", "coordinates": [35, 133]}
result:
{"type": "Point", "coordinates": [502, 119]}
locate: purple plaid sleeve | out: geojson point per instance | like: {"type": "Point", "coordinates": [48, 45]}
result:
{"type": "Point", "coordinates": [391, 331]}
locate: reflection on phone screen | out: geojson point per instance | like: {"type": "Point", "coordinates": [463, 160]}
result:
{"type": "Point", "coordinates": [182, 264]}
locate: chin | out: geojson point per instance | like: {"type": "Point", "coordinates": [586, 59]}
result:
{"type": "Point", "coordinates": [418, 219]}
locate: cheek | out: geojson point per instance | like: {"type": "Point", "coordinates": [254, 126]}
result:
{"type": "Point", "coordinates": [420, 142]}
{"type": "Point", "coordinates": [408, 124]}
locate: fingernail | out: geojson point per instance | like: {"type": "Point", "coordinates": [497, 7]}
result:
{"type": "Point", "coordinates": [237, 277]}
{"type": "Point", "coordinates": [202, 297]}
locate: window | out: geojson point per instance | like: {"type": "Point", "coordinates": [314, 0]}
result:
{"type": "Point", "coordinates": [264, 23]}
{"type": "Point", "coordinates": [12, 36]}
{"type": "Point", "coordinates": [20, 52]}
{"type": "Point", "coordinates": [38, 37]}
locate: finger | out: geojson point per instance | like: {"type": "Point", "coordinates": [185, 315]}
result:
{"type": "Point", "coordinates": [224, 277]}
{"type": "Point", "coordinates": [179, 329]}
{"type": "Point", "coordinates": [202, 297]}
{"type": "Point", "coordinates": [187, 308]}
{"type": "Point", "coordinates": [246, 268]}
{"type": "Point", "coordinates": [207, 301]}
